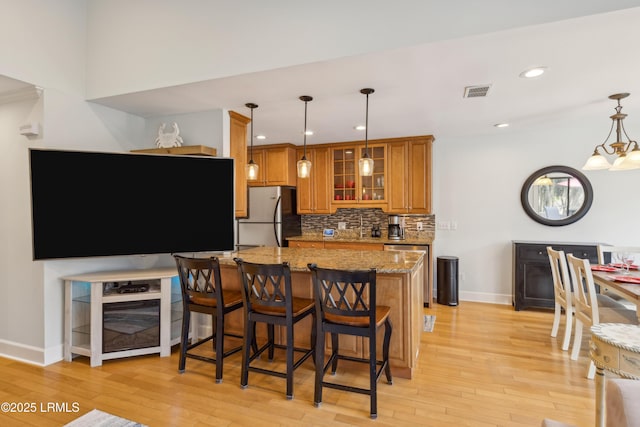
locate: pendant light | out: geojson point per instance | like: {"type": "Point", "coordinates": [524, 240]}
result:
{"type": "Point", "coordinates": [251, 168]}
{"type": "Point", "coordinates": [365, 164]}
{"type": "Point", "coordinates": [304, 165]}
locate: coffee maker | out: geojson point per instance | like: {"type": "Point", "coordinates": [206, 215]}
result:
{"type": "Point", "coordinates": [395, 229]}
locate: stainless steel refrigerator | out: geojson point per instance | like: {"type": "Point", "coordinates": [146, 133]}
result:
{"type": "Point", "coordinates": [272, 218]}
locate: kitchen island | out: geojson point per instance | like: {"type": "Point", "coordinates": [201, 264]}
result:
{"type": "Point", "coordinates": [399, 285]}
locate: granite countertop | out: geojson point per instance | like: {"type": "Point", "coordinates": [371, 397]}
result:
{"type": "Point", "coordinates": [344, 259]}
{"type": "Point", "coordinates": [418, 239]}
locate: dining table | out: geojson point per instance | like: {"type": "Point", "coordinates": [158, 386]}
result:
{"type": "Point", "coordinates": [617, 280]}
{"type": "Point", "coordinates": [615, 347]}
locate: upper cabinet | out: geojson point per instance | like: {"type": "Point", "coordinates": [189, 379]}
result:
{"type": "Point", "coordinates": [349, 188]}
{"type": "Point", "coordinates": [238, 149]}
{"type": "Point", "coordinates": [314, 193]}
{"type": "Point", "coordinates": [276, 165]}
{"type": "Point", "coordinates": [409, 189]}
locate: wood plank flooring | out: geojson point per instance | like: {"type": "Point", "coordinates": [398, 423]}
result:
{"type": "Point", "coordinates": [483, 365]}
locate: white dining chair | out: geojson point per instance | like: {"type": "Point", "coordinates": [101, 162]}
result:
{"type": "Point", "coordinates": [591, 308]}
{"type": "Point", "coordinates": [562, 295]}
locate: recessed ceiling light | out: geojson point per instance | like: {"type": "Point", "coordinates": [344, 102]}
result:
{"type": "Point", "coordinates": [308, 132]}
{"type": "Point", "coordinates": [533, 72]}
{"type": "Point", "coordinates": [501, 125]}
{"type": "Point", "coordinates": [360, 127]}
{"type": "Point", "coordinates": [261, 137]}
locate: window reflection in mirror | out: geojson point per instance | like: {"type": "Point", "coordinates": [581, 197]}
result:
{"type": "Point", "coordinates": [556, 195]}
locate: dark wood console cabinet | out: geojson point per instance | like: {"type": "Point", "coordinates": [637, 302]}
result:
{"type": "Point", "coordinates": [532, 282]}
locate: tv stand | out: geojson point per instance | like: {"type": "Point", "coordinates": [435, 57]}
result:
{"type": "Point", "coordinates": [137, 323]}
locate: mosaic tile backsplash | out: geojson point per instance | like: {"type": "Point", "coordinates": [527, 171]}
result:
{"type": "Point", "coordinates": [313, 224]}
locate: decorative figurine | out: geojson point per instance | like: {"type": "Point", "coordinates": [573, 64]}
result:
{"type": "Point", "coordinates": [168, 139]}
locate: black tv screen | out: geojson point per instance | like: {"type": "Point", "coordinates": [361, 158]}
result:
{"type": "Point", "coordinates": [89, 204]}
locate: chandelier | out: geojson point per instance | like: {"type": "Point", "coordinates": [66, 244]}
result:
{"type": "Point", "coordinates": [627, 153]}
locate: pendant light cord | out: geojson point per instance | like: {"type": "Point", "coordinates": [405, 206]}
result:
{"type": "Point", "coordinates": [304, 154]}
{"type": "Point", "coordinates": [366, 128]}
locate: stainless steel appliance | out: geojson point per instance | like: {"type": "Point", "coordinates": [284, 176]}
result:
{"type": "Point", "coordinates": [272, 218]}
{"type": "Point", "coordinates": [396, 231]}
{"type": "Point", "coordinates": [424, 248]}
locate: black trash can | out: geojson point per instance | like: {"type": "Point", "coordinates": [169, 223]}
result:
{"type": "Point", "coordinates": [447, 268]}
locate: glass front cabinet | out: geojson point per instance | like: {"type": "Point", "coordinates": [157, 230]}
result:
{"type": "Point", "coordinates": [349, 188]}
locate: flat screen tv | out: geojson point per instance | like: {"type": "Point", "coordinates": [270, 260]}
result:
{"type": "Point", "coordinates": [91, 204]}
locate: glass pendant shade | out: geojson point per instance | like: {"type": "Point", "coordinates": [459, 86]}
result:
{"type": "Point", "coordinates": [304, 168]}
{"type": "Point", "coordinates": [365, 165]}
{"type": "Point", "coordinates": [596, 162]}
{"type": "Point", "coordinates": [304, 165]}
{"type": "Point", "coordinates": [634, 157]}
{"type": "Point", "coordinates": [622, 163]}
{"type": "Point", "coordinates": [251, 171]}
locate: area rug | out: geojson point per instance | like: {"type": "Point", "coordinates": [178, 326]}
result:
{"type": "Point", "coordinates": [98, 418]}
{"type": "Point", "coordinates": [429, 323]}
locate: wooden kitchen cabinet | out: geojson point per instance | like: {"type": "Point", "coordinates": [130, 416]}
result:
{"type": "Point", "coordinates": [358, 246]}
{"type": "Point", "coordinates": [317, 244]}
{"type": "Point", "coordinates": [276, 165]}
{"type": "Point", "coordinates": [314, 193]}
{"type": "Point", "coordinates": [238, 150]}
{"type": "Point", "coordinates": [410, 176]}
{"type": "Point", "coordinates": [532, 281]}
{"type": "Point", "coordinates": [336, 244]}
{"type": "Point", "coordinates": [349, 188]}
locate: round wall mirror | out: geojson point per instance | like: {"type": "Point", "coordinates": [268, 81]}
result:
{"type": "Point", "coordinates": [556, 195]}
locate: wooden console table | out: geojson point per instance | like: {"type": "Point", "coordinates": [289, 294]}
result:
{"type": "Point", "coordinates": [614, 347]}
{"type": "Point", "coordinates": [87, 294]}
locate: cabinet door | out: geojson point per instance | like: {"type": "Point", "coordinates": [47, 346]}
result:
{"type": "Point", "coordinates": [278, 162]}
{"type": "Point", "coordinates": [419, 177]}
{"type": "Point", "coordinates": [358, 246]}
{"type": "Point", "coordinates": [349, 188]}
{"type": "Point", "coordinates": [371, 188]}
{"type": "Point", "coordinates": [238, 150]}
{"type": "Point", "coordinates": [344, 175]}
{"type": "Point", "coordinates": [306, 244]}
{"type": "Point", "coordinates": [409, 177]}
{"type": "Point", "coordinates": [398, 182]}
{"type": "Point", "coordinates": [314, 193]}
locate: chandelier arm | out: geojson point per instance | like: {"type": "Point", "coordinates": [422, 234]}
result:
{"type": "Point", "coordinates": [628, 147]}
{"type": "Point", "coordinates": [604, 147]}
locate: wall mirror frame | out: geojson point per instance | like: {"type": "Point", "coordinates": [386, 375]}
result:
{"type": "Point", "coordinates": [556, 195]}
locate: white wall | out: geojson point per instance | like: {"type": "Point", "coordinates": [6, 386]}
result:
{"type": "Point", "coordinates": [51, 54]}
{"type": "Point", "coordinates": [477, 183]}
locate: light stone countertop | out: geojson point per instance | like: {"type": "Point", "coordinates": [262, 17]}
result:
{"type": "Point", "coordinates": [343, 259]}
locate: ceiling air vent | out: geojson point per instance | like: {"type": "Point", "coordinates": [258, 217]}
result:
{"type": "Point", "coordinates": [476, 91]}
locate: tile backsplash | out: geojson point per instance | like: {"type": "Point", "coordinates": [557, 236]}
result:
{"type": "Point", "coordinates": [313, 224]}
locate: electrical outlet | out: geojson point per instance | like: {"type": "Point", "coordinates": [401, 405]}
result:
{"type": "Point", "coordinates": [463, 276]}
{"type": "Point", "coordinates": [342, 226]}
{"type": "Point", "coordinates": [419, 226]}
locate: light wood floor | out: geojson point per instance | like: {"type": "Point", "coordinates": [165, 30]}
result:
{"type": "Point", "coordinates": [483, 365]}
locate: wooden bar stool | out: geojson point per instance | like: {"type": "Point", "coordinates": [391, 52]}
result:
{"type": "Point", "coordinates": [346, 304]}
{"type": "Point", "coordinates": [268, 298]}
{"type": "Point", "coordinates": [202, 292]}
